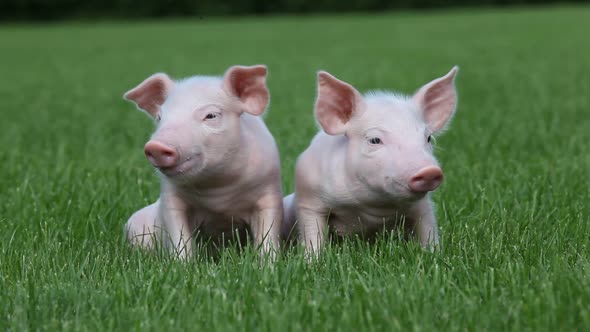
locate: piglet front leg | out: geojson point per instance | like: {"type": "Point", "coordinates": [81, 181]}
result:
{"type": "Point", "coordinates": [266, 222]}
{"type": "Point", "coordinates": [312, 226]}
{"type": "Point", "coordinates": [423, 222]}
{"type": "Point", "coordinates": [173, 213]}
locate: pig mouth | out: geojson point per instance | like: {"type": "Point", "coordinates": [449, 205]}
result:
{"type": "Point", "coordinates": [181, 168]}
{"type": "Point", "coordinates": [397, 184]}
{"type": "Point", "coordinates": [403, 191]}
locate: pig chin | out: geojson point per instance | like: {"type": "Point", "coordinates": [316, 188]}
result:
{"type": "Point", "coordinates": [184, 171]}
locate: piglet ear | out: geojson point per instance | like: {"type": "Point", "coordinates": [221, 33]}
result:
{"type": "Point", "coordinates": [336, 103]}
{"type": "Point", "coordinates": [249, 85]}
{"type": "Point", "coordinates": [438, 100]}
{"type": "Point", "coordinates": [151, 94]}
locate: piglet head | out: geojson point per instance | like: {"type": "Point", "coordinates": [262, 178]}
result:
{"type": "Point", "coordinates": [389, 137]}
{"type": "Point", "coordinates": [198, 132]}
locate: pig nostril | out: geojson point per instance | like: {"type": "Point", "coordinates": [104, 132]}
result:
{"type": "Point", "coordinates": [150, 155]}
{"type": "Point", "coordinates": [418, 179]}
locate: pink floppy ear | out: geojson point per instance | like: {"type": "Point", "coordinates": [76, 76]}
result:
{"type": "Point", "coordinates": [151, 94]}
{"type": "Point", "coordinates": [249, 85]}
{"type": "Point", "coordinates": [336, 103]}
{"type": "Point", "coordinates": [438, 100]}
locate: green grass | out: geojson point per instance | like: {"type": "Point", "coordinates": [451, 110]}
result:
{"type": "Point", "coordinates": [513, 211]}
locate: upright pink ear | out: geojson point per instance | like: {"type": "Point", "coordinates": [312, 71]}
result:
{"type": "Point", "coordinates": [151, 93]}
{"type": "Point", "coordinates": [249, 85]}
{"type": "Point", "coordinates": [438, 100]}
{"type": "Point", "coordinates": [336, 103]}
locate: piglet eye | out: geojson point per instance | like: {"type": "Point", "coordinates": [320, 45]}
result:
{"type": "Point", "coordinates": [210, 116]}
{"type": "Point", "coordinates": [429, 139]}
{"type": "Point", "coordinates": [375, 140]}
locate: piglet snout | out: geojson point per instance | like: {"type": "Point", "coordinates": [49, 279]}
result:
{"type": "Point", "coordinates": [160, 154]}
{"type": "Point", "coordinates": [426, 179]}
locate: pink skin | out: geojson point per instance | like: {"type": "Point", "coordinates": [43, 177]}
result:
{"type": "Point", "coordinates": [371, 167]}
{"type": "Point", "coordinates": [218, 162]}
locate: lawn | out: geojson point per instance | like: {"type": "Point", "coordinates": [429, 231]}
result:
{"type": "Point", "coordinates": [514, 209]}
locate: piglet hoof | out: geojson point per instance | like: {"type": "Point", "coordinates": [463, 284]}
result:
{"type": "Point", "coordinates": [432, 246]}
{"type": "Point", "coordinates": [268, 253]}
{"type": "Point", "coordinates": [311, 255]}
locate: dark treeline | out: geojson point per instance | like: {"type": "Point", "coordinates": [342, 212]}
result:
{"type": "Point", "coordinates": [61, 9]}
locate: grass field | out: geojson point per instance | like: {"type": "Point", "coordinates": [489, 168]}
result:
{"type": "Point", "coordinates": [513, 211]}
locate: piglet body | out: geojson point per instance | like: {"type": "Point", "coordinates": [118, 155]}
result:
{"type": "Point", "coordinates": [371, 167]}
{"type": "Point", "coordinates": [218, 162]}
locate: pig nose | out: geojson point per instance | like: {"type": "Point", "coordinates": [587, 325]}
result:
{"type": "Point", "coordinates": [160, 155]}
{"type": "Point", "coordinates": [426, 179]}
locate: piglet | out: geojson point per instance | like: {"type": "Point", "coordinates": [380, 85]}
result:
{"type": "Point", "coordinates": [371, 167]}
{"type": "Point", "coordinates": [218, 163]}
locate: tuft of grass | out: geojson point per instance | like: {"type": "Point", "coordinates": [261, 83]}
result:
{"type": "Point", "coordinates": [513, 211]}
